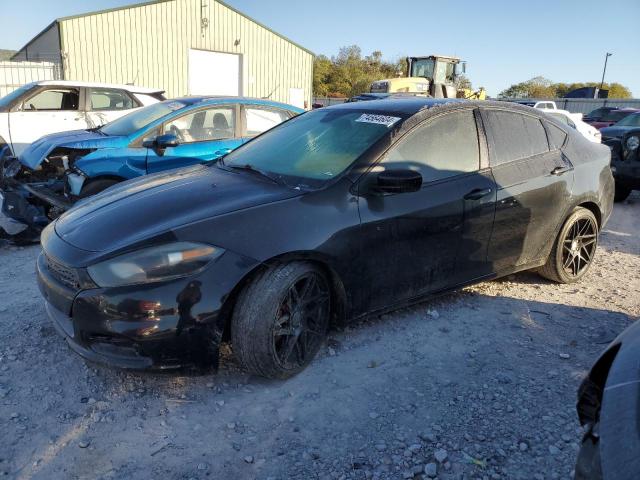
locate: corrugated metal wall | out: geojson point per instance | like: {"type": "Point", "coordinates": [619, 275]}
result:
{"type": "Point", "coordinates": [148, 45]}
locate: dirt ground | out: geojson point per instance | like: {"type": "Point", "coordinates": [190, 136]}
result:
{"type": "Point", "coordinates": [480, 384]}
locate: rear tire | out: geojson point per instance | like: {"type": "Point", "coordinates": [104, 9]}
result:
{"type": "Point", "coordinates": [281, 320]}
{"type": "Point", "coordinates": [621, 193]}
{"type": "Point", "coordinates": [96, 186]}
{"type": "Point", "coordinates": [574, 248]}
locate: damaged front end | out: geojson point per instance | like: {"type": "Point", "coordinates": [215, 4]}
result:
{"type": "Point", "coordinates": [32, 197]}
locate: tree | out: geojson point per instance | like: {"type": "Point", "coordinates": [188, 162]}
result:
{"type": "Point", "coordinates": [349, 73]}
{"type": "Point", "coordinates": [540, 87]}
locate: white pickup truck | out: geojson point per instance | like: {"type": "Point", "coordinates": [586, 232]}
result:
{"type": "Point", "coordinates": [40, 108]}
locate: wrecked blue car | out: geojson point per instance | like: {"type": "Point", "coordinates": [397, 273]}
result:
{"type": "Point", "coordinates": [55, 171]}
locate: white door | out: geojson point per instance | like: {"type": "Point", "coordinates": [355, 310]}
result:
{"type": "Point", "coordinates": [214, 73]}
{"type": "Point", "coordinates": [296, 97]}
{"type": "Point", "coordinates": [48, 111]}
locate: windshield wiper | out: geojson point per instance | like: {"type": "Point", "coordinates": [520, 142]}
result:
{"type": "Point", "coordinates": [96, 129]}
{"type": "Point", "coordinates": [250, 168]}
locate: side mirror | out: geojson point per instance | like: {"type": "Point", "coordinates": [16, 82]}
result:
{"type": "Point", "coordinates": [399, 181]}
{"type": "Point", "coordinates": [161, 142]}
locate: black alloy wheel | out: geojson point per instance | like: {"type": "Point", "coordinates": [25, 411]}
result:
{"type": "Point", "coordinates": [579, 246]}
{"type": "Point", "coordinates": [281, 319]}
{"type": "Point", "coordinates": [574, 248]}
{"type": "Point", "coordinates": [301, 322]}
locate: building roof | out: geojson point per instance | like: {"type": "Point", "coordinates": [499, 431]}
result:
{"type": "Point", "coordinates": [152, 2]}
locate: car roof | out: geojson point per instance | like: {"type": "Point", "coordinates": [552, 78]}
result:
{"type": "Point", "coordinates": [72, 83]}
{"type": "Point", "coordinates": [404, 105]}
{"type": "Point", "coordinates": [213, 100]}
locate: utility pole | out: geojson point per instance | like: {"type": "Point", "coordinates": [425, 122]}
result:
{"type": "Point", "coordinates": [604, 70]}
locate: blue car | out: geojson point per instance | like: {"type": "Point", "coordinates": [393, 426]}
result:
{"type": "Point", "coordinates": [58, 169]}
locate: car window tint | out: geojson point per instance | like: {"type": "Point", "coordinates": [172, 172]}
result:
{"type": "Point", "coordinates": [556, 136]}
{"type": "Point", "coordinates": [106, 99]}
{"type": "Point", "coordinates": [204, 125]}
{"type": "Point", "coordinates": [443, 147]}
{"type": "Point", "coordinates": [561, 118]}
{"type": "Point", "coordinates": [54, 99]}
{"type": "Point", "coordinates": [513, 136]}
{"type": "Point", "coordinates": [258, 120]}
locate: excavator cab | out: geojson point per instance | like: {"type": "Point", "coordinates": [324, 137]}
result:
{"type": "Point", "coordinates": [440, 71]}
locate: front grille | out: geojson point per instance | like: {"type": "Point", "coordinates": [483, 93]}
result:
{"type": "Point", "coordinates": [66, 275]}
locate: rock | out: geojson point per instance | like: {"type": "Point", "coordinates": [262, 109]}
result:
{"type": "Point", "coordinates": [564, 356]}
{"type": "Point", "coordinates": [248, 459]}
{"type": "Point", "coordinates": [84, 443]}
{"type": "Point", "coordinates": [431, 470]}
{"type": "Point", "coordinates": [553, 450]}
{"type": "Point", "coordinates": [220, 403]}
{"type": "Point", "coordinates": [14, 415]}
{"type": "Point", "coordinates": [503, 378]}
{"type": "Point", "coordinates": [523, 447]}
{"type": "Point", "coordinates": [374, 415]}
{"type": "Point", "coordinates": [372, 364]}
{"type": "Point", "coordinates": [231, 425]}
{"type": "Point", "coordinates": [202, 466]}
{"type": "Point", "coordinates": [440, 455]}
{"type": "Point", "coordinates": [433, 314]}
{"type": "Point", "coordinates": [427, 436]}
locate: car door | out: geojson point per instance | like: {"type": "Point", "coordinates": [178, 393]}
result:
{"type": "Point", "coordinates": [534, 181]}
{"type": "Point", "coordinates": [257, 119]}
{"type": "Point", "coordinates": [204, 135]}
{"type": "Point", "coordinates": [47, 110]}
{"type": "Point", "coordinates": [436, 237]}
{"type": "Point", "coordinates": [104, 105]}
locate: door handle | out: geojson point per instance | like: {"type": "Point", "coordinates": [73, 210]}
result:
{"type": "Point", "coordinates": [560, 170]}
{"type": "Point", "coordinates": [478, 193]}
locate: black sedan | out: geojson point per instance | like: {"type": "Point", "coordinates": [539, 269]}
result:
{"type": "Point", "coordinates": [625, 163]}
{"type": "Point", "coordinates": [336, 214]}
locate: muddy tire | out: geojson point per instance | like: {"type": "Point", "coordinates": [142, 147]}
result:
{"type": "Point", "coordinates": [96, 186]}
{"type": "Point", "coordinates": [281, 319]}
{"type": "Point", "coordinates": [574, 248]}
{"type": "Point", "coordinates": [621, 193]}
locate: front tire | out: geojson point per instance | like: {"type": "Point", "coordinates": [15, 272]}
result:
{"type": "Point", "coordinates": [96, 186]}
{"type": "Point", "coordinates": [574, 248]}
{"type": "Point", "coordinates": [281, 320]}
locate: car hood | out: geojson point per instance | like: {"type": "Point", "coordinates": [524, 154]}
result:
{"type": "Point", "coordinates": [615, 132]}
{"type": "Point", "coordinates": [142, 208]}
{"type": "Point", "coordinates": [35, 153]}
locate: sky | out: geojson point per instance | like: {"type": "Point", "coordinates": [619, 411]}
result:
{"type": "Point", "coordinates": [504, 42]}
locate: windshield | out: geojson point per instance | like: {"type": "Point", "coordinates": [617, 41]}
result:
{"type": "Point", "coordinates": [422, 68]}
{"type": "Point", "coordinates": [134, 121]}
{"type": "Point", "coordinates": [630, 121]}
{"type": "Point", "coordinates": [615, 116]}
{"type": "Point", "coordinates": [10, 97]}
{"type": "Point", "coordinates": [316, 146]}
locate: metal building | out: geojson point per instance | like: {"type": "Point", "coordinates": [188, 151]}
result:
{"type": "Point", "coordinates": [186, 47]}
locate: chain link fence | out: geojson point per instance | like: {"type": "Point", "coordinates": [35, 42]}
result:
{"type": "Point", "coordinates": [15, 74]}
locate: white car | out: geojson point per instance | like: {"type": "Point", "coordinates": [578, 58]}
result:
{"type": "Point", "coordinates": [574, 120]}
{"type": "Point", "coordinates": [40, 108]}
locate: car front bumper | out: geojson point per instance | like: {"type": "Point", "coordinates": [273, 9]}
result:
{"type": "Point", "coordinates": [157, 326]}
{"type": "Point", "coordinates": [626, 173]}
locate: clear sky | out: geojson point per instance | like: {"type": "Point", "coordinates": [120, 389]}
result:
{"type": "Point", "coordinates": [504, 41]}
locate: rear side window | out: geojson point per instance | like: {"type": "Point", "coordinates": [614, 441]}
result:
{"type": "Point", "coordinates": [513, 136]}
{"type": "Point", "coordinates": [556, 136]}
{"type": "Point", "coordinates": [258, 120]}
{"type": "Point", "coordinates": [441, 148]}
{"type": "Point", "coordinates": [107, 99]}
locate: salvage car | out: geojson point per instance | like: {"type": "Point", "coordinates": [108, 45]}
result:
{"type": "Point", "coordinates": [574, 120]}
{"type": "Point", "coordinates": [625, 163]}
{"type": "Point", "coordinates": [40, 108]}
{"type": "Point", "coordinates": [628, 123]}
{"type": "Point", "coordinates": [611, 118]}
{"type": "Point", "coordinates": [338, 213]}
{"type": "Point", "coordinates": [58, 169]}
{"type": "Point", "coordinates": [609, 408]}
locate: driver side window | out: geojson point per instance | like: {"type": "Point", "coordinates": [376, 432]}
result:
{"type": "Point", "coordinates": [204, 125]}
{"type": "Point", "coordinates": [53, 100]}
{"type": "Point", "coordinates": [443, 147]}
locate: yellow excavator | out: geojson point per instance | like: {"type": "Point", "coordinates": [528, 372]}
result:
{"type": "Point", "coordinates": [435, 75]}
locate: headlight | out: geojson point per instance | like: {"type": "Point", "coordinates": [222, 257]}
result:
{"type": "Point", "coordinates": [153, 264]}
{"type": "Point", "coordinates": [633, 142]}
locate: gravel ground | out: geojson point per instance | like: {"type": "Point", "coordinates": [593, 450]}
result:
{"type": "Point", "coordinates": [479, 384]}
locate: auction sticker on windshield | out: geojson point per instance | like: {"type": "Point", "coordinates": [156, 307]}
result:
{"type": "Point", "coordinates": [377, 119]}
